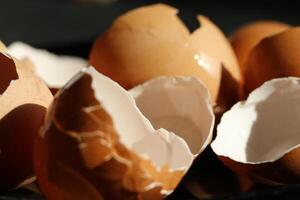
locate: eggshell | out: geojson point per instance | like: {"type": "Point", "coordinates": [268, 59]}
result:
{"type": "Point", "coordinates": [152, 41]}
{"type": "Point", "coordinates": [245, 38]}
{"type": "Point", "coordinates": [2, 46]}
{"type": "Point", "coordinates": [54, 70]}
{"type": "Point", "coordinates": [97, 144]}
{"type": "Point", "coordinates": [170, 103]}
{"type": "Point", "coordinates": [274, 57]}
{"type": "Point", "coordinates": [23, 102]}
{"type": "Point", "coordinates": [260, 136]}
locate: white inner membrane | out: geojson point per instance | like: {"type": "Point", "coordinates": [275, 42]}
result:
{"type": "Point", "coordinates": [54, 70]}
{"type": "Point", "coordinates": [179, 105]}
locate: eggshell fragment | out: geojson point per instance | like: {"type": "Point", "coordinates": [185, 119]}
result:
{"type": "Point", "coordinates": [55, 70]}
{"type": "Point", "coordinates": [2, 46]}
{"type": "Point", "coordinates": [23, 102]}
{"type": "Point", "coordinates": [274, 57]}
{"type": "Point", "coordinates": [260, 136]}
{"type": "Point", "coordinates": [97, 144]}
{"type": "Point", "coordinates": [244, 39]}
{"type": "Point", "coordinates": [152, 41]}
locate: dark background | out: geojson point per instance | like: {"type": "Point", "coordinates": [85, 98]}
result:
{"type": "Point", "coordinates": [70, 27]}
{"type": "Point", "coordinates": [67, 26]}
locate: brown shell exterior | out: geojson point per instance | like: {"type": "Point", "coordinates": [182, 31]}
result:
{"type": "Point", "coordinates": [244, 39]}
{"type": "Point", "coordinates": [274, 57]}
{"type": "Point", "coordinates": [23, 104]}
{"type": "Point", "coordinates": [283, 171]}
{"type": "Point", "coordinates": [152, 41]}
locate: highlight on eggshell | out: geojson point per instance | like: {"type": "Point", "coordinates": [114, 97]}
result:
{"type": "Point", "coordinates": [24, 99]}
{"type": "Point", "coordinates": [274, 57]}
{"type": "Point", "coordinates": [152, 41]}
{"type": "Point", "coordinates": [260, 136]}
{"type": "Point", "coordinates": [245, 38]}
{"type": "Point", "coordinates": [54, 70]}
{"type": "Point", "coordinates": [97, 142]}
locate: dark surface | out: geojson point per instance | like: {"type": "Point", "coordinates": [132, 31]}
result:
{"type": "Point", "coordinates": [66, 27]}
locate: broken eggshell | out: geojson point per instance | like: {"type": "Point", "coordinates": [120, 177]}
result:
{"type": "Point", "coordinates": [152, 41]}
{"type": "Point", "coordinates": [273, 57]}
{"type": "Point", "coordinates": [2, 46]}
{"type": "Point", "coordinates": [54, 70]}
{"type": "Point", "coordinates": [97, 144]}
{"type": "Point", "coordinates": [245, 38]}
{"type": "Point", "coordinates": [260, 136]}
{"type": "Point", "coordinates": [24, 99]}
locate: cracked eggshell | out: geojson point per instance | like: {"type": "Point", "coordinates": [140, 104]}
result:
{"type": "Point", "coordinates": [54, 70]}
{"type": "Point", "coordinates": [24, 99]}
{"type": "Point", "coordinates": [274, 57]}
{"type": "Point", "coordinates": [245, 38]}
{"type": "Point", "coordinates": [260, 136]}
{"type": "Point", "coordinates": [152, 41]}
{"type": "Point", "coordinates": [97, 144]}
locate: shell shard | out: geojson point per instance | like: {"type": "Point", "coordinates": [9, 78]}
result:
{"type": "Point", "coordinates": [97, 134]}
{"type": "Point", "coordinates": [264, 127]}
{"type": "Point", "coordinates": [54, 70]}
{"type": "Point", "coordinates": [273, 57]}
{"type": "Point", "coordinates": [9, 72]}
{"type": "Point", "coordinates": [2, 46]}
{"type": "Point", "coordinates": [245, 38]}
{"type": "Point", "coordinates": [24, 99]}
{"type": "Point", "coordinates": [262, 133]}
{"type": "Point", "coordinates": [152, 41]}
{"type": "Point", "coordinates": [208, 38]}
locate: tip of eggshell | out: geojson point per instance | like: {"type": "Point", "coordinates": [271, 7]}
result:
{"type": "Point", "coordinates": [116, 136]}
{"type": "Point", "coordinates": [263, 128]}
{"type": "Point", "coordinates": [127, 51]}
{"type": "Point", "coordinates": [24, 99]}
{"type": "Point", "coordinates": [216, 45]}
{"type": "Point", "coordinates": [2, 46]}
{"type": "Point", "coordinates": [54, 70]}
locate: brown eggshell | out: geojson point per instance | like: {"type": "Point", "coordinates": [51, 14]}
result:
{"type": "Point", "coordinates": [244, 39]}
{"type": "Point", "coordinates": [273, 57]}
{"type": "Point", "coordinates": [207, 39]}
{"type": "Point", "coordinates": [259, 137]}
{"type": "Point", "coordinates": [152, 41]}
{"type": "Point", "coordinates": [104, 169]}
{"type": "Point", "coordinates": [96, 142]}
{"type": "Point", "coordinates": [283, 171]}
{"type": "Point", "coordinates": [2, 46]}
{"type": "Point", "coordinates": [23, 102]}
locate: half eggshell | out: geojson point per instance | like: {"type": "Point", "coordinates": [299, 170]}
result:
{"type": "Point", "coordinates": [152, 41]}
{"type": "Point", "coordinates": [274, 57]}
{"type": "Point", "coordinates": [260, 136]}
{"type": "Point", "coordinates": [54, 70]}
{"type": "Point", "coordinates": [24, 99]}
{"type": "Point", "coordinates": [97, 144]}
{"type": "Point", "coordinates": [245, 38]}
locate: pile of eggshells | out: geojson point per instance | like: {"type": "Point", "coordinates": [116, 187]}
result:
{"type": "Point", "coordinates": [128, 123]}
